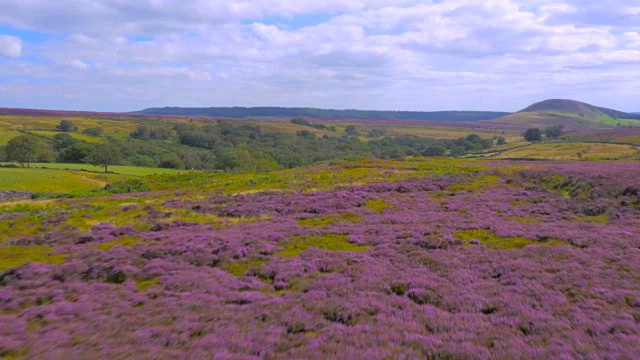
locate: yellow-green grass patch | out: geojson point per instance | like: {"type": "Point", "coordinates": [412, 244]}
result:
{"type": "Point", "coordinates": [493, 241]}
{"type": "Point", "coordinates": [525, 219]}
{"type": "Point", "coordinates": [378, 205]}
{"type": "Point", "coordinates": [116, 169]}
{"type": "Point", "coordinates": [241, 267]}
{"type": "Point", "coordinates": [53, 181]}
{"type": "Point", "coordinates": [481, 182]}
{"type": "Point", "coordinates": [143, 285]}
{"type": "Point", "coordinates": [128, 241]}
{"type": "Point", "coordinates": [12, 256]}
{"type": "Point", "coordinates": [75, 135]}
{"type": "Point", "coordinates": [296, 245]}
{"type": "Point", "coordinates": [326, 220]}
{"type": "Point", "coordinates": [571, 151]}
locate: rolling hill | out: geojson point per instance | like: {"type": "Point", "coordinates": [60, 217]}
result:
{"type": "Point", "coordinates": [570, 113]}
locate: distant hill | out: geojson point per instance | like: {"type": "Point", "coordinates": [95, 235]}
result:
{"type": "Point", "coordinates": [244, 112]}
{"type": "Point", "coordinates": [572, 114]}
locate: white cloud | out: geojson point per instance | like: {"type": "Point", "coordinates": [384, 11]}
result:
{"type": "Point", "coordinates": [78, 65]}
{"type": "Point", "coordinates": [330, 53]}
{"type": "Point", "coordinates": [10, 46]}
{"type": "Point", "coordinates": [632, 38]}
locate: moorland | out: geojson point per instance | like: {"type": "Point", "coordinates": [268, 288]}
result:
{"type": "Point", "coordinates": [161, 235]}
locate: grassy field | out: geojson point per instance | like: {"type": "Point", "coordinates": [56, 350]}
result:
{"type": "Point", "coordinates": [75, 135]}
{"type": "Point", "coordinates": [122, 170]}
{"type": "Point", "coordinates": [54, 181]}
{"type": "Point", "coordinates": [570, 151]}
{"type": "Point", "coordinates": [65, 178]}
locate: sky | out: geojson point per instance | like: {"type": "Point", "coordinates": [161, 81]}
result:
{"type": "Point", "coordinates": [125, 55]}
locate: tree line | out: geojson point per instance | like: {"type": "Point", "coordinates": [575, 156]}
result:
{"type": "Point", "coordinates": [228, 146]}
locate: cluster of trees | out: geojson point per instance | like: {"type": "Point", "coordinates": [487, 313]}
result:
{"type": "Point", "coordinates": [227, 146]}
{"type": "Point", "coordinates": [302, 121]}
{"type": "Point", "coordinates": [551, 132]}
{"type": "Point", "coordinates": [26, 149]}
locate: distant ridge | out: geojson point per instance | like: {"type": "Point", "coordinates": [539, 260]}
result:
{"type": "Point", "coordinates": [246, 112]}
{"type": "Point", "coordinates": [571, 114]}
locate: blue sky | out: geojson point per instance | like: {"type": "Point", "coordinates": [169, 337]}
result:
{"type": "Point", "coordinates": [122, 55]}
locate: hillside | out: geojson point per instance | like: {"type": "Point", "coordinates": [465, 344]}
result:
{"type": "Point", "coordinates": [424, 258]}
{"type": "Point", "coordinates": [572, 114]}
{"type": "Point", "coordinates": [244, 112]}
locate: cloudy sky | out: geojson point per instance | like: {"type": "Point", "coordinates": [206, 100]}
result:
{"type": "Point", "coordinates": [122, 55]}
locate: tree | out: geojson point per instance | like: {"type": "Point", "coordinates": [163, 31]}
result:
{"type": "Point", "coordinates": [554, 132]}
{"type": "Point", "coordinates": [306, 134]}
{"type": "Point", "coordinates": [501, 141]}
{"type": "Point", "coordinates": [377, 133]}
{"type": "Point", "coordinates": [63, 141]}
{"type": "Point", "coordinates": [351, 130]}
{"type": "Point", "coordinates": [25, 149]}
{"type": "Point", "coordinates": [67, 126]}
{"type": "Point", "coordinates": [95, 131]}
{"type": "Point", "coordinates": [80, 152]}
{"type": "Point", "coordinates": [436, 150]}
{"type": "Point", "coordinates": [300, 121]}
{"type": "Point", "coordinates": [533, 135]}
{"type": "Point", "coordinates": [105, 156]}
{"type": "Point", "coordinates": [486, 143]}
{"type": "Point", "coordinates": [474, 138]}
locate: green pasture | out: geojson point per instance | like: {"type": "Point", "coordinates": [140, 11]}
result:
{"type": "Point", "coordinates": [54, 181]}
{"type": "Point", "coordinates": [570, 151]}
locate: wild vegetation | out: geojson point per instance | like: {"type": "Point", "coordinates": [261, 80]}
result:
{"type": "Point", "coordinates": [419, 258]}
{"type": "Point", "coordinates": [317, 239]}
{"type": "Point", "coordinates": [227, 146]}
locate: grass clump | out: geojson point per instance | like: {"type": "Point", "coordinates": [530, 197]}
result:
{"type": "Point", "coordinates": [145, 284]}
{"type": "Point", "coordinates": [493, 241]}
{"type": "Point", "coordinates": [240, 268]}
{"type": "Point", "coordinates": [125, 241]}
{"type": "Point", "coordinates": [378, 205]}
{"type": "Point", "coordinates": [331, 242]}
{"type": "Point", "coordinates": [320, 221]}
{"type": "Point", "coordinates": [12, 256]}
{"type": "Point", "coordinates": [479, 183]}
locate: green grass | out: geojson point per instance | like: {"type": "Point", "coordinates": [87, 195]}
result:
{"type": "Point", "coordinates": [240, 268]}
{"type": "Point", "coordinates": [331, 242]}
{"type": "Point", "coordinates": [321, 221]}
{"type": "Point", "coordinates": [611, 121]}
{"type": "Point", "coordinates": [145, 284]}
{"type": "Point", "coordinates": [54, 181]}
{"type": "Point", "coordinates": [75, 135]}
{"type": "Point", "coordinates": [479, 183]}
{"type": "Point", "coordinates": [6, 135]}
{"type": "Point", "coordinates": [309, 179]}
{"type": "Point", "coordinates": [125, 241]}
{"type": "Point", "coordinates": [118, 169]}
{"type": "Point", "coordinates": [570, 151]}
{"type": "Point", "coordinates": [12, 256]}
{"type": "Point", "coordinates": [378, 205]}
{"type": "Point", "coordinates": [493, 241]}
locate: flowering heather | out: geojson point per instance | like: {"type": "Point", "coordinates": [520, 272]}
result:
{"type": "Point", "coordinates": [523, 260]}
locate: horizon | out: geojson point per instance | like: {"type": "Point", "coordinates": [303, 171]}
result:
{"type": "Point", "coordinates": [404, 55]}
{"type": "Point", "coordinates": [295, 107]}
